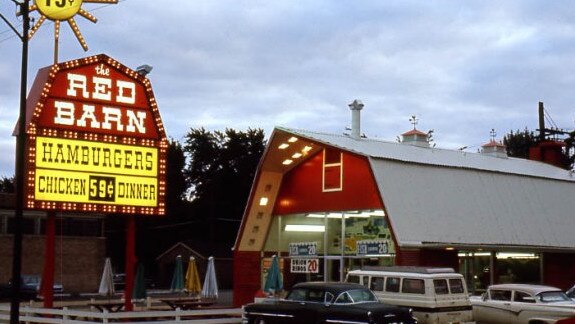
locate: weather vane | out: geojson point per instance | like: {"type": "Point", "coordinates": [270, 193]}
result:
{"type": "Point", "coordinates": [413, 121]}
{"type": "Point", "coordinates": [63, 10]}
{"type": "Point", "coordinates": [493, 133]}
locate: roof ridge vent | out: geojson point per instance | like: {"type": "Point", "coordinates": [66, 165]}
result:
{"type": "Point", "coordinates": [493, 147]}
{"type": "Point", "coordinates": [414, 136]}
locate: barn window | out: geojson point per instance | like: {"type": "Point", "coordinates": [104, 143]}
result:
{"type": "Point", "coordinates": [332, 170]}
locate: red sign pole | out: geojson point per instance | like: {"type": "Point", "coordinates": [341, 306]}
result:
{"type": "Point", "coordinates": [130, 262]}
{"type": "Point", "coordinates": [47, 286]}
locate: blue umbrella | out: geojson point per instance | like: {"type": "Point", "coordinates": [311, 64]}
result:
{"type": "Point", "coordinates": [178, 277]}
{"type": "Point", "coordinates": [274, 281]}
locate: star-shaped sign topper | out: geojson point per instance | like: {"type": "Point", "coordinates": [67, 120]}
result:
{"type": "Point", "coordinates": [63, 10]}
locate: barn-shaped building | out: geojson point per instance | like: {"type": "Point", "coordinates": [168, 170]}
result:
{"type": "Point", "coordinates": [328, 203]}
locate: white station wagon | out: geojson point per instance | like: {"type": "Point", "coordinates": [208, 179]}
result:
{"type": "Point", "coordinates": [522, 303]}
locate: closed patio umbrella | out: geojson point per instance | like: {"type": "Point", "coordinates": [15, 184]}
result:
{"type": "Point", "coordinates": [178, 277]}
{"type": "Point", "coordinates": [210, 289]}
{"type": "Point", "coordinates": [139, 291]}
{"type": "Point", "coordinates": [107, 281]}
{"type": "Point", "coordinates": [274, 281]}
{"type": "Point", "coordinates": [193, 285]}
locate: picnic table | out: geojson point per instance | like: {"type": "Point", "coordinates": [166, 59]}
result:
{"type": "Point", "coordinates": [110, 306]}
{"type": "Point", "coordinates": [187, 302]}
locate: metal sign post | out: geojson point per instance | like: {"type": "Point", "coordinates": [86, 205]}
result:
{"type": "Point", "coordinates": [20, 146]}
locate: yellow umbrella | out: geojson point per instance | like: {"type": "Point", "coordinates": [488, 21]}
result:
{"type": "Point", "coordinates": [193, 285]}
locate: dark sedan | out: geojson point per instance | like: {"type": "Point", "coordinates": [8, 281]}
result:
{"type": "Point", "coordinates": [323, 302]}
{"type": "Point", "coordinates": [27, 292]}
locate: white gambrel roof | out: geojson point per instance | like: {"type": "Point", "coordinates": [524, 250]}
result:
{"type": "Point", "coordinates": [436, 156]}
{"type": "Point", "coordinates": [439, 197]}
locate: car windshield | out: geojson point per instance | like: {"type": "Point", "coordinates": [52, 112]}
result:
{"type": "Point", "coordinates": [553, 297]}
{"type": "Point", "coordinates": [356, 296]}
{"type": "Point", "coordinates": [297, 295]}
{"type": "Point", "coordinates": [30, 279]}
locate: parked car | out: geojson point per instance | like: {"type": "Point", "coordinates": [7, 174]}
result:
{"type": "Point", "coordinates": [436, 295]}
{"type": "Point", "coordinates": [27, 292]}
{"type": "Point", "coordinates": [322, 302]}
{"type": "Point", "coordinates": [522, 303]}
{"type": "Point", "coordinates": [34, 282]}
{"type": "Point", "coordinates": [119, 280]}
{"type": "Point", "coordinates": [571, 293]}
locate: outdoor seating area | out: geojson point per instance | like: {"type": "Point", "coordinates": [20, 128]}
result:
{"type": "Point", "coordinates": [187, 303]}
{"type": "Point", "coordinates": [158, 305]}
{"type": "Point", "coordinates": [69, 315]}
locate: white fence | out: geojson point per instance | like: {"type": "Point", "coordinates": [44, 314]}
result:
{"type": "Point", "coordinates": [66, 315]}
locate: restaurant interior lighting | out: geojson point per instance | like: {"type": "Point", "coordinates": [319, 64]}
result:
{"type": "Point", "coordinates": [263, 201]}
{"type": "Point", "coordinates": [508, 255]}
{"type": "Point", "coordinates": [296, 155]}
{"type": "Point", "coordinates": [283, 146]}
{"type": "Point", "coordinates": [292, 139]}
{"type": "Point", "coordinates": [500, 255]}
{"type": "Point", "coordinates": [304, 228]}
{"type": "Point", "coordinates": [350, 214]}
{"type": "Point", "coordinates": [287, 162]}
{"type": "Point", "coordinates": [306, 149]}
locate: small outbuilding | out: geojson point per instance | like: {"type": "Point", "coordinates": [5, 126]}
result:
{"type": "Point", "coordinates": [223, 262]}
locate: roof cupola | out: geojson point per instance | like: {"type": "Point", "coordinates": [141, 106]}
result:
{"type": "Point", "coordinates": [493, 147]}
{"type": "Point", "coordinates": [414, 136]}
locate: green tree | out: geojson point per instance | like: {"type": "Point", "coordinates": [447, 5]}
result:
{"type": "Point", "coordinates": [570, 150]}
{"type": "Point", "coordinates": [220, 171]}
{"type": "Point", "coordinates": [519, 142]}
{"type": "Point", "coordinates": [7, 184]}
{"type": "Point", "coordinates": [176, 185]}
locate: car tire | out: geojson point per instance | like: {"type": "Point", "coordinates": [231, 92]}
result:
{"type": "Point", "coordinates": [260, 320]}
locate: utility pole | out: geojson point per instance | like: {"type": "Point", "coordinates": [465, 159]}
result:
{"type": "Point", "coordinates": [20, 146]}
{"type": "Point", "coordinates": [541, 122]}
{"type": "Point", "coordinates": [547, 131]}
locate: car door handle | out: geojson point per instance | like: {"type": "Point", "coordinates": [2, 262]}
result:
{"type": "Point", "coordinates": [507, 304]}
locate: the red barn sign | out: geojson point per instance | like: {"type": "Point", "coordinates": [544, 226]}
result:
{"type": "Point", "coordinates": [95, 140]}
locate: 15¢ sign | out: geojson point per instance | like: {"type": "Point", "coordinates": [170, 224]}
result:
{"type": "Point", "coordinates": [58, 9]}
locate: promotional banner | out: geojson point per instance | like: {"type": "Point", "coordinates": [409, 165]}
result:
{"type": "Point", "coordinates": [304, 266]}
{"type": "Point", "coordinates": [303, 249]}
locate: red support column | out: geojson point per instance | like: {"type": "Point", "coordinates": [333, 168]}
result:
{"type": "Point", "coordinates": [47, 285]}
{"type": "Point", "coordinates": [130, 261]}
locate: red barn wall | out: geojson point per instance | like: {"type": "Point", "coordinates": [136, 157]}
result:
{"type": "Point", "coordinates": [559, 270]}
{"type": "Point", "coordinates": [301, 189]}
{"type": "Point", "coordinates": [247, 276]}
{"type": "Point", "coordinates": [427, 258]}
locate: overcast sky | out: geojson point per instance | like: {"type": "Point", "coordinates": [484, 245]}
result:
{"type": "Point", "coordinates": [462, 67]}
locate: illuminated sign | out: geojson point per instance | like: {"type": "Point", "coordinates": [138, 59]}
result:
{"type": "Point", "coordinates": [58, 9]}
{"type": "Point", "coordinates": [373, 247]}
{"type": "Point", "coordinates": [95, 140]}
{"type": "Point", "coordinates": [303, 249]}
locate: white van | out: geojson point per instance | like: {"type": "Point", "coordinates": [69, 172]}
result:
{"type": "Point", "coordinates": [436, 295]}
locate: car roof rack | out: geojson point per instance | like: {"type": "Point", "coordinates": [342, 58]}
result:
{"type": "Point", "coordinates": [411, 269]}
